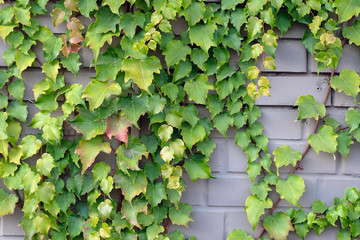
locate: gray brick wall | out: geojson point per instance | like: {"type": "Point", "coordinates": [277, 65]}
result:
{"type": "Point", "coordinates": [219, 203]}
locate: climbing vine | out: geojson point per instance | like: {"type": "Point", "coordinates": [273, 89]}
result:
{"type": "Point", "coordinates": [137, 122]}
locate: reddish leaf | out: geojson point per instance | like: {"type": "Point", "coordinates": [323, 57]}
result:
{"type": "Point", "coordinates": [72, 5]}
{"type": "Point", "coordinates": [75, 47]}
{"type": "Point", "coordinates": [65, 49]}
{"type": "Point", "coordinates": [57, 16]}
{"type": "Point", "coordinates": [76, 37]}
{"type": "Point", "coordinates": [118, 127]}
{"type": "Point", "coordinates": [74, 25]}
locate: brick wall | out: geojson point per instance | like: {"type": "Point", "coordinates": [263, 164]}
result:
{"type": "Point", "coordinates": [219, 203]}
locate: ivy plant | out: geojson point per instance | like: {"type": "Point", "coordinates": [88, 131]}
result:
{"type": "Point", "coordinates": [110, 182]}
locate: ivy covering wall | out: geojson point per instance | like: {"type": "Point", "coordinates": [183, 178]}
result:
{"type": "Point", "coordinates": [146, 73]}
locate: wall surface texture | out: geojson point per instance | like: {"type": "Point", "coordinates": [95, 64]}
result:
{"type": "Point", "coordinates": [219, 202]}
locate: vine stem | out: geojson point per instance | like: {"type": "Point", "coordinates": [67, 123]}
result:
{"type": "Point", "coordinates": [307, 148]}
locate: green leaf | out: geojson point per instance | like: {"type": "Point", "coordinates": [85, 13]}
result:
{"type": "Point", "coordinates": [291, 189]}
{"type": "Point", "coordinates": [134, 107]}
{"type": "Point", "coordinates": [141, 71]}
{"type": "Point", "coordinates": [308, 107]}
{"type": "Point", "coordinates": [97, 91]}
{"type": "Point", "coordinates": [106, 20]}
{"type": "Point", "coordinates": [89, 149]}
{"type": "Point", "coordinates": [42, 223]}
{"type": "Point", "coordinates": [181, 215]}
{"type": "Point", "coordinates": [346, 9]}
{"type": "Point", "coordinates": [260, 190]}
{"type": "Point", "coordinates": [51, 69]}
{"type": "Point", "coordinates": [197, 167]}
{"type": "Point", "coordinates": [197, 89]}
{"type": "Point", "coordinates": [155, 193]}
{"type": "Point", "coordinates": [30, 145]}
{"type": "Point", "coordinates": [283, 21]}
{"type": "Point", "coordinates": [73, 96]}
{"type": "Point", "coordinates": [100, 171]}
{"type": "Point", "coordinates": [278, 225]}
{"type": "Point", "coordinates": [22, 15]}
{"type": "Point", "coordinates": [153, 231]}
{"type": "Point", "coordinates": [17, 89]}
{"type": "Point", "coordinates": [344, 234]}
{"type": "Point", "coordinates": [47, 102]}
{"type": "Point", "coordinates": [52, 48]}
{"type": "Point", "coordinates": [285, 156]}
{"type": "Point", "coordinates": [75, 226]}
{"type": "Point", "coordinates": [131, 210]}
{"type": "Point", "coordinates": [129, 21]}
{"type": "Point", "coordinates": [253, 170]}
{"type": "Point", "coordinates": [348, 81]}
{"type": "Point", "coordinates": [194, 13]}
{"type": "Point", "coordinates": [96, 40]}
{"type": "Point", "coordinates": [86, 6]}
{"type": "Point", "coordinates": [352, 119]}
{"type": "Point", "coordinates": [318, 207]}
{"type": "Point", "coordinates": [45, 164]}
{"type": "Point", "coordinates": [105, 208]}
{"type": "Point", "coordinates": [107, 67]}
{"type": "Point", "coordinates": [222, 122]}
{"type": "Point", "coordinates": [192, 135]}
{"type": "Point", "coordinates": [190, 114]}
{"type": "Point", "coordinates": [7, 203]}
{"type": "Point", "coordinates": [202, 35]}
{"type": "Point", "coordinates": [114, 5]}
{"type": "Point", "coordinates": [344, 141]}
{"type": "Point", "coordinates": [230, 4]}
{"type": "Point", "coordinates": [256, 5]}
{"type": "Point", "coordinates": [175, 52]}
{"type": "Point", "coordinates": [253, 27]}
{"type": "Point", "coordinates": [255, 207]}
{"type": "Point", "coordinates": [23, 61]}
{"type": "Point", "coordinates": [309, 41]}
{"type": "Point", "coordinates": [131, 154]}
{"type": "Point", "coordinates": [242, 139]}
{"type": "Point", "coordinates": [86, 123]}
{"type": "Point", "coordinates": [46, 192]}
{"type": "Point", "coordinates": [71, 63]}
{"type": "Point", "coordinates": [325, 140]}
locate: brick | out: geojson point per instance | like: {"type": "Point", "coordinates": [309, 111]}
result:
{"type": "Point", "coordinates": [11, 224]}
{"type": "Point", "coordinates": [207, 225]}
{"type": "Point", "coordinates": [178, 26]}
{"type": "Point", "coordinates": [11, 238]}
{"type": "Point", "coordinates": [343, 100]}
{"type": "Point", "coordinates": [349, 60]}
{"type": "Point", "coordinates": [219, 158]}
{"type": "Point", "coordinates": [290, 56]}
{"type": "Point", "coordinates": [296, 31]}
{"type": "Point", "coordinates": [238, 220]}
{"type": "Point", "coordinates": [228, 191]}
{"type": "Point", "coordinates": [3, 47]}
{"type": "Point", "coordinates": [279, 123]}
{"type": "Point", "coordinates": [237, 158]}
{"type": "Point", "coordinates": [195, 192]}
{"type": "Point", "coordinates": [287, 90]}
{"type": "Point", "coordinates": [351, 165]}
{"type": "Point", "coordinates": [337, 185]}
